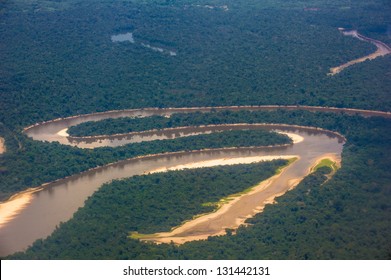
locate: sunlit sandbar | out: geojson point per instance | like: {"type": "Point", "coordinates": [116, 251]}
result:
{"type": "Point", "coordinates": [15, 205]}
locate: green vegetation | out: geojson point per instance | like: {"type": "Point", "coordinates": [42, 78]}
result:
{"type": "Point", "coordinates": [57, 60]}
{"type": "Point", "coordinates": [215, 205]}
{"type": "Point", "coordinates": [61, 63]}
{"type": "Point", "coordinates": [326, 163]}
{"type": "Point", "coordinates": [227, 199]}
{"type": "Point", "coordinates": [120, 125]}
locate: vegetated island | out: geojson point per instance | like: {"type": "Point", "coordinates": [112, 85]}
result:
{"type": "Point", "coordinates": [229, 214]}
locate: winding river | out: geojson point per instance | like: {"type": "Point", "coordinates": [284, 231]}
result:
{"type": "Point", "coordinates": [382, 50]}
{"type": "Point", "coordinates": [35, 213]}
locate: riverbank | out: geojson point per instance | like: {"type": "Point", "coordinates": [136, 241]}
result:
{"type": "Point", "coordinates": [203, 226]}
{"type": "Point", "coordinates": [14, 205]}
{"type": "Point", "coordinates": [220, 162]}
{"type": "Point", "coordinates": [2, 146]}
{"type": "Point", "coordinates": [192, 231]}
{"type": "Point", "coordinates": [330, 160]}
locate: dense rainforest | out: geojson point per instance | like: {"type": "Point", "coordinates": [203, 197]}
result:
{"type": "Point", "coordinates": [59, 59]}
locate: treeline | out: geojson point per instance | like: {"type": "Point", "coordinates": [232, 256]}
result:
{"type": "Point", "coordinates": [124, 125]}
{"type": "Point", "coordinates": [59, 61]}
{"type": "Point", "coordinates": [62, 62]}
{"type": "Point", "coordinates": [340, 122]}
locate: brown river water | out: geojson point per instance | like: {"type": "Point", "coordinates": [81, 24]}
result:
{"type": "Point", "coordinates": [39, 211]}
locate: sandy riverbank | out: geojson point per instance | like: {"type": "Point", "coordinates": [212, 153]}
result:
{"type": "Point", "coordinates": [15, 204]}
{"type": "Point", "coordinates": [63, 132]}
{"type": "Point", "coordinates": [296, 138]}
{"type": "Point", "coordinates": [2, 145]}
{"type": "Point", "coordinates": [185, 232]}
{"type": "Point", "coordinates": [220, 162]}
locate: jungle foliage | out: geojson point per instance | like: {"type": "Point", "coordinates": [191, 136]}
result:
{"type": "Point", "coordinates": [58, 60]}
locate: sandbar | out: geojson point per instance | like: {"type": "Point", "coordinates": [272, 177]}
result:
{"type": "Point", "coordinates": [203, 226]}
{"type": "Point", "coordinates": [63, 132]}
{"type": "Point", "coordinates": [219, 162]}
{"type": "Point", "coordinates": [192, 231]}
{"type": "Point", "coordinates": [15, 204]}
{"type": "Point", "coordinates": [2, 145]}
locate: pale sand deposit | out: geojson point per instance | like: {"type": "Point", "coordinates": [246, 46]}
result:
{"type": "Point", "coordinates": [296, 138]}
{"type": "Point", "coordinates": [219, 162]}
{"type": "Point", "coordinates": [14, 205]}
{"type": "Point", "coordinates": [184, 233]}
{"type": "Point", "coordinates": [2, 145]}
{"type": "Point", "coordinates": [63, 133]}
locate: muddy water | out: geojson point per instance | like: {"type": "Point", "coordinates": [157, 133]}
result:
{"type": "Point", "coordinates": [58, 201]}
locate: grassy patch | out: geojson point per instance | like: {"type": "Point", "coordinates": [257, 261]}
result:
{"type": "Point", "coordinates": [326, 163]}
